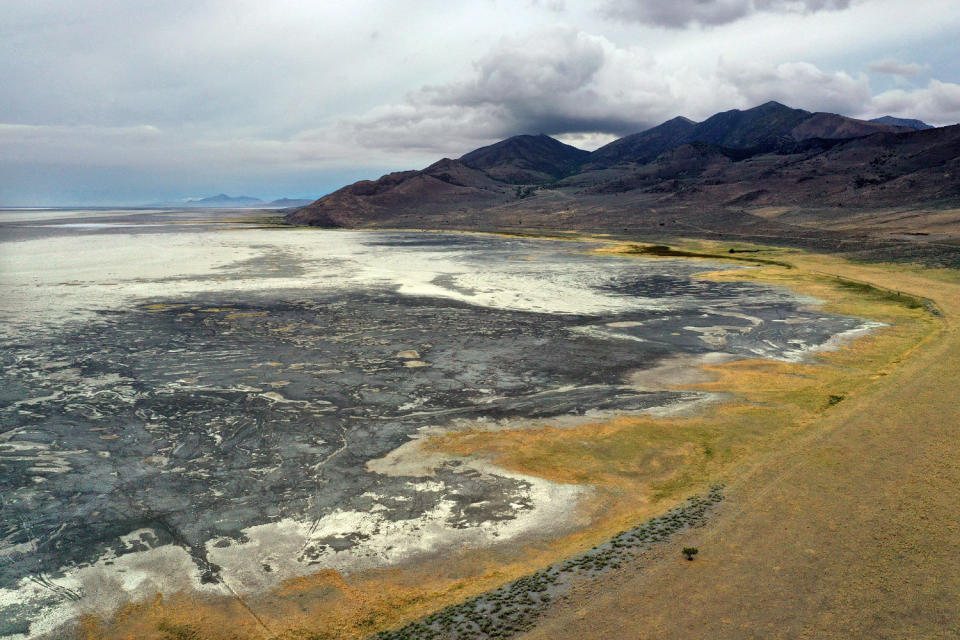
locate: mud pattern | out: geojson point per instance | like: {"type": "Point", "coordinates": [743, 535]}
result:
{"type": "Point", "coordinates": [204, 411]}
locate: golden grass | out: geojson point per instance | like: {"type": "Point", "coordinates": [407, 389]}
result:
{"type": "Point", "coordinates": [848, 531]}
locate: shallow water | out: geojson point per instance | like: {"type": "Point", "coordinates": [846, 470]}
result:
{"type": "Point", "coordinates": [196, 406]}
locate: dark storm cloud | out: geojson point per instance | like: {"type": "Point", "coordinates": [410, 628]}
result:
{"type": "Point", "coordinates": [551, 81]}
{"type": "Point", "coordinates": [681, 13]}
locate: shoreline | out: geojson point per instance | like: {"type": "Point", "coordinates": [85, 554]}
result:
{"type": "Point", "coordinates": [672, 371]}
{"type": "Point", "coordinates": [851, 503]}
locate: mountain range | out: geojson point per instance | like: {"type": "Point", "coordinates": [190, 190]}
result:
{"type": "Point", "coordinates": [223, 201]}
{"type": "Point", "coordinates": [772, 168]}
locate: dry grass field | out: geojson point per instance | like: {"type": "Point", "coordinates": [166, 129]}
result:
{"type": "Point", "coordinates": [849, 531]}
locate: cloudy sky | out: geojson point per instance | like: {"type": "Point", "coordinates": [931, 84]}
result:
{"type": "Point", "coordinates": [132, 101]}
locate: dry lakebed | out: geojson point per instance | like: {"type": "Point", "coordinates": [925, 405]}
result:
{"type": "Point", "coordinates": [210, 410]}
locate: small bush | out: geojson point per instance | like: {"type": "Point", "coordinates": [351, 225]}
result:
{"type": "Point", "coordinates": [689, 552]}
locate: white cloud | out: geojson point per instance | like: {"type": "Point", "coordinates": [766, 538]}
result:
{"type": "Point", "coordinates": [588, 141]}
{"type": "Point", "coordinates": [551, 81]}
{"type": "Point", "coordinates": [798, 84]}
{"type": "Point", "coordinates": [892, 67]}
{"type": "Point", "coordinates": [938, 103]}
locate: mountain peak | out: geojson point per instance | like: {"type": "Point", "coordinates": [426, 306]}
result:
{"type": "Point", "coordinates": [744, 129]}
{"type": "Point", "coordinates": [520, 140]}
{"type": "Point", "coordinates": [526, 159]}
{"type": "Point", "coordinates": [679, 120]}
{"type": "Point", "coordinates": [644, 146]}
{"type": "Point", "coordinates": [773, 105]}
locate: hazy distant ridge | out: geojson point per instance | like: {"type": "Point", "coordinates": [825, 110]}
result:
{"type": "Point", "coordinates": [223, 201]}
{"type": "Point", "coordinates": [910, 123]}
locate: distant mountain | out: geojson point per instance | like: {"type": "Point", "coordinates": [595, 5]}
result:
{"type": "Point", "coordinates": [287, 202]}
{"type": "Point", "coordinates": [223, 201]}
{"type": "Point", "coordinates": [918, 125]}
{"type": "Point", "coordinates": [771, 159]}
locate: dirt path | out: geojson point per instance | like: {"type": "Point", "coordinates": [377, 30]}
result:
{"type": "Point", "coordinates": [854, 533]}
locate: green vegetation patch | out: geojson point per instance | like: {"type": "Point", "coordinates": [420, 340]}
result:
{"type": "Point", "coordinates": [664, 251]}
{"type": "Point", "coordinates": [885, 295]}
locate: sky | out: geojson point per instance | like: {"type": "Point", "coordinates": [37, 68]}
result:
{"type": "Point", "coordinates": [108, 102]}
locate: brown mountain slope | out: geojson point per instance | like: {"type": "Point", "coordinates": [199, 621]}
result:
{"type": "Point", "coordinates": [526, 159]}
{"type": "Point", "coordinates": [882, 170]}
{"type": "Point", "coordinates": [879, 170]}
{"type": "Point", "coordinates": [832, 126]}
{"type": "Point", "coordinates": [431, 190]}
{"type": "Point", "coordinates": [643, 146]}
{"type": "Point", "coordinates": [482, 178]}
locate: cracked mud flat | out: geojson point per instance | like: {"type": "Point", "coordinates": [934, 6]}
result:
{"type": "Point", "coordinates": [220, 410]}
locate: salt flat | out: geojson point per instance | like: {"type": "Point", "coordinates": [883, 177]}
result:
{"type": "Point", "coordinates": [190, 405]}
